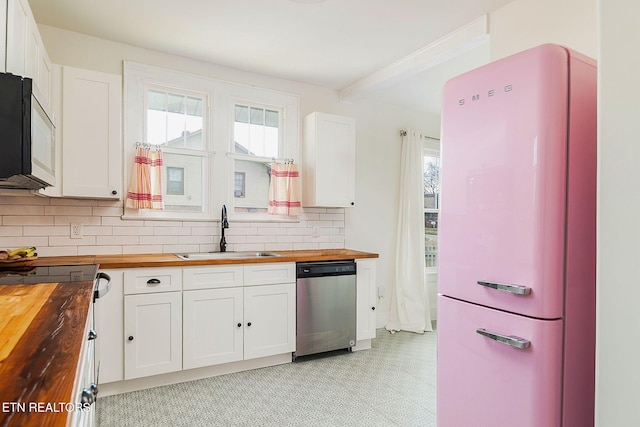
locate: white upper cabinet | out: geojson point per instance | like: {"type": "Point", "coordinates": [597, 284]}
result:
{"type": "Point", "coordinates": [91, 134]}
{"type": "Point", "coordinates": [25, 52]}
{"type": "Point", "coordinates": [328, 160]}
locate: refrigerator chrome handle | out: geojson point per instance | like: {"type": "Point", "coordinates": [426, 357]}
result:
{"type": "Point", "coordinates": [510, 340]}
{"type": "Point", "coordinates": [505, 287]}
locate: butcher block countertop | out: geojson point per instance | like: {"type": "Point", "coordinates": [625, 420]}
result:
{"type": "Point", "coordinates": [167, 260]}
{"type": "Point", "coordinates": [41, 336]}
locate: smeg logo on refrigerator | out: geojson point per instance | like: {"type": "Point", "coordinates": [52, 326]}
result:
{"type": "Point", "coordinates": [490, 93]}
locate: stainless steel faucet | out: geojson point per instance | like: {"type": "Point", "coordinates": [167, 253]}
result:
{"type": "Point", "coordinates": [224, 223]}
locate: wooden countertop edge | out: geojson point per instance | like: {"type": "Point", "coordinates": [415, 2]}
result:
{"type": "Point", "coordinates": [50, 347]}
{"type": "Point", "coordinates": [171, 260]}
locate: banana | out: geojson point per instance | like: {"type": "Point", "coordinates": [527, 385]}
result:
{"type": "Point", "coordinates": [23, 252]}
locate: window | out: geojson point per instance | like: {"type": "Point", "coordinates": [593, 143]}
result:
{"type": "Point", "coordinates": [175, 181]}
{"type": "Point", "coordinates": [174, 122]}
{"type": "Point", "coordinates": [239, 184]}
{"type": "Point", "coordinates": [217, 139]}
{"type": "Point", "coordinates": [256, 142]}
{"type": "Point", "coordinates": [431, 184]}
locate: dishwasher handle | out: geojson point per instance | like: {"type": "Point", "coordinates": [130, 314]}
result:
{"type": "Point", "coordinates": [324, 269]}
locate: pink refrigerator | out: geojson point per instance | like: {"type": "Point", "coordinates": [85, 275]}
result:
{"type": "Point", "coordinates": [517, 243]}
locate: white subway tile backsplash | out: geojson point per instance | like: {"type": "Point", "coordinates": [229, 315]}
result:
{"type": "Point", "coordinates": [173, 249]}
{"type": "Point", "coordinates": [108, 220]}
{"type": "Point", "coordinates": [43, 230]}
{"type": "Point", "coordinates": [22, 210]}
{"type": "Point", "coordinates": [11, 231]}
{"type": "Point", "coordinates": [57, 250]}
{"type": "Point", "coordinates": [68, 210]}
{"type": "Point", "coordinates": [117, 240]}
{"type": "Point", "coordinates": [84, 220]}
{"type": "Point", "coordinates": [172, 231]}
{"type": "Point", "coordinates": [100, 250]}
{"type": "Point", "coordinates": [93, 230]}
{"type": "Point", "coordinates": [44, 222]}
{"type": "Point", "coordinates": [142, 249]}
{"type": "Point", "coordinates": [26, 220]}
{"type": "Point", "coordinates": [23, 201]}
{"type": "Point", "coordinates": [107, 211]}
{"type": "Point", "coordinates": [12, 242]}
{"type": "Point", "coordinates": [68, 241]}
{"type": "Point", "coordinates": [196, 239]}
{"type": "Point", "coordinates": [158, 240]}
{"type": "Point", "coordinates": [132, 231]}
{"type": "Point", "coordinates": [64, 201]}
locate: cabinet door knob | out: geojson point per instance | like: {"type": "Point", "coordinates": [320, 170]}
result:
{"type": "Point", "coordinates": [130, 338]}
{"type": "Point", "coordinates": [153, 282]}
{"type": "Point", "coordinates": [248, 323]}
{"type": "Point", "coordinates": [114, 192]}
{"type": "Point", "coordinates": [92, 335]}
{"type": "Point", "coordinates": [353, 203]}
{"type": "Point", "coordinates": [373, 308]}
{"type": "Point", "coordinates": [239, 325]}
{"type": "Point", "coordinates": [87, 398]}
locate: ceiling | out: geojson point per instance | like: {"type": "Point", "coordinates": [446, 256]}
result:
{"type": "Point", "coordinates": [330, 43]}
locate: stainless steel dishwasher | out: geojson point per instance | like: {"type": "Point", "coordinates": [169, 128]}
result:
{"type": "Point", "coordinates": [326, 306]}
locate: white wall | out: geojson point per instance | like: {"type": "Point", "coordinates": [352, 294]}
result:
{"type": "Point", "coordinates": [369, 226]}
{"type": "Point", "coordinates": [618, 315]}
{"type": "Point", "coordinates": [523, 24]}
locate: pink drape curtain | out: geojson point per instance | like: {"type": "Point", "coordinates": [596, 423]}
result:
{"type": "Point", "coordinates": [145, 186]}
{"type": "Point", "coordinates": [284, 190]}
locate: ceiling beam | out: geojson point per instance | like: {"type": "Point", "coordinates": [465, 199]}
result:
{"type": "Point", "coordinates": [460, 41]}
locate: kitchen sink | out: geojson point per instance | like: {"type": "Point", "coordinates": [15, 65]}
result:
{"type": "Point", "coordinates": [226, 255]}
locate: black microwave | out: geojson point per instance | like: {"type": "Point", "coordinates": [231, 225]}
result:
{"type": "Point", "coordinates": [27, 137]}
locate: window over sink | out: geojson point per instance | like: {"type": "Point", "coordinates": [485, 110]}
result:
{"type": "Point", "coordinates": [218, 140]}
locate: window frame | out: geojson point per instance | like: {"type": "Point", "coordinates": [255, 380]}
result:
{"type": "Point", "coordinates": [219, 157]}
{"type": "Point", "coordinates": [432, 148]}
{"type": "Point", "coordinates": [288, 145]}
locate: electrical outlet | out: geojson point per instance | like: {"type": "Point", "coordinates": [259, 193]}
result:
{"type": "Point", "coordinates": [76, 231]}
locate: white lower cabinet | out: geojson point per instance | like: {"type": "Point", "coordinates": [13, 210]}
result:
{"type": "Point", "coordinates": [235, 323]}
{"type": "Point", "coordinates": [109, 314]}
{"type": "Point", "coordinates": [367, 299]}
{"type": "Point", "coordinates": [153, 334]}
{"type": "Point", "coordinates": [270, 316]}
{"type": "Point", "coordinates": [212, 327]}
{"type": "Point", "coordinates": [161, 320]}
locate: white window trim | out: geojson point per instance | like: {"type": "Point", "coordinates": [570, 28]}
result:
{"type": "Point", "coordinates": [222, 97]}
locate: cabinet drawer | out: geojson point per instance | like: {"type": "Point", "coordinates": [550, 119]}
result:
{"type": "Point", "coordinates": [147, 280]}
{"type": "Point", "coordinates": [212, 277]}
{"type": "Point", "coordinates": [269, 273]}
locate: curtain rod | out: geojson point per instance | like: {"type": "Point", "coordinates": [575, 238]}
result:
{"type": "Point", "coordinates": [404, 133]}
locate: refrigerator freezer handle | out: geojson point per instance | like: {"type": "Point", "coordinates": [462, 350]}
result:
{"type": "Point", "coordinates": [512, 289]}
{"type": "Point", "coordinates": [510, 340]}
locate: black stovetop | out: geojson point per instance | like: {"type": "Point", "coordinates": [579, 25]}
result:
{"type": "Point", "coordinates": [48, 274]}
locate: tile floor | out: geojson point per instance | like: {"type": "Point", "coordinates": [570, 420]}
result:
{"type": "Point", "coordinates": [393, 384]}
